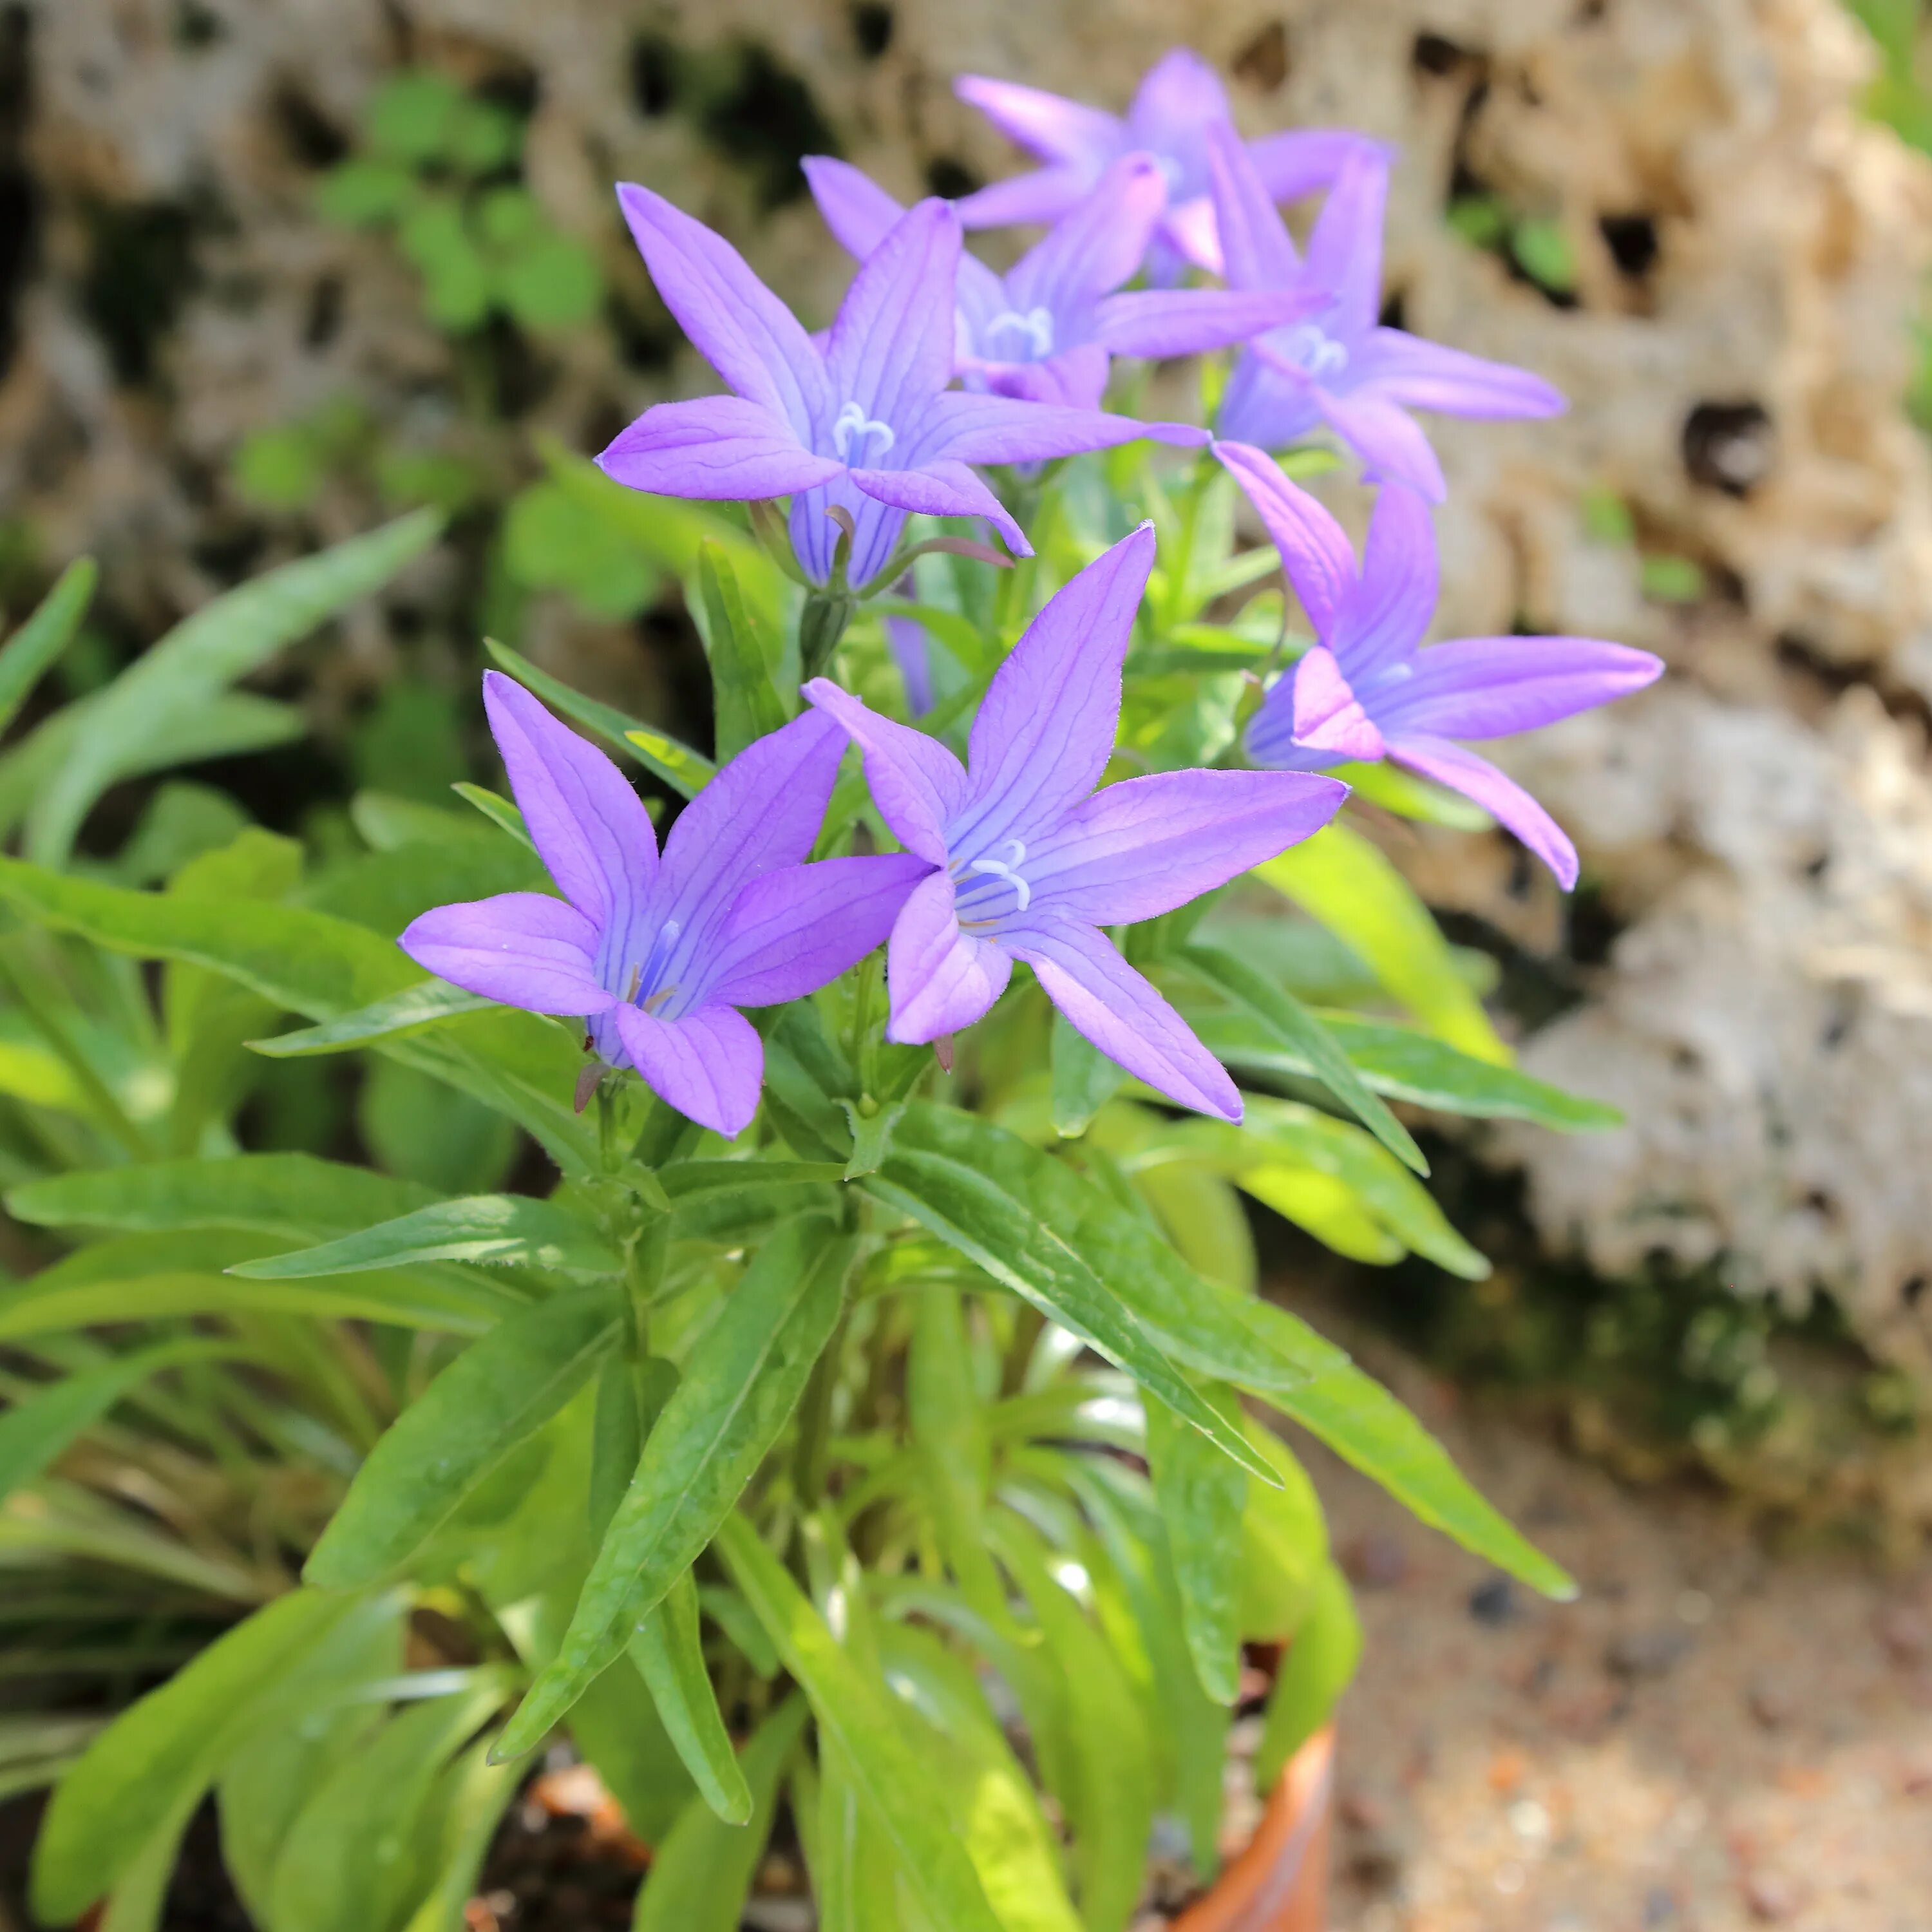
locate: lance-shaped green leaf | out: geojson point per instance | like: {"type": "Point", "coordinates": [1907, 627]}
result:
{"type": "Point", "coordinates": [32, 650]}
{"type": "Point", "coordinates": [502, 1229]}
{"type": "Point", "coordinates": [980, 1190]}
{"type": "Point", "coordinates": [409, 1011]}
{"type": "Point", "coordinates": [701, 1874]}
{"type": "Point", "coordinates": [740, 1384]}
{"type": "Point", "coordinates": [688, 1182]}
{"type": "Point", "coordinates": [687, 771]}
{"type": "Point", "coordinates": [178, 682]}
{"type": "Point", "coordinates": [292, 1196]}
{"type": "Point", "coordinates": [1316, 1669]}
{"type": "Point", "coordinates": [494, 1397]}
{"type": "Point", "coordinates": [40, 1426]}
{"type": "Point", "coordinates": [1201, 1496]}
{"type": "Point", "coordinates": [746, 704]}
{"type": "Point", "coordinates": [1003, 1190]}
{"type": "Point", "coordinates": [1084, 1079]}
{"type": "Point", "coordinates": [1348, 883]}
{"type": "Point", "coordinates": [1109, 1794]}
{"type": "Point", "coordinates": [153, 1762]}
{"type": "Point", "coordinates": [1295, 1029]}
{"type": "Point", "coordinates": [668, 1654]}
{"type": "Point", "coordinates": [147, 1277]}
{"type": "Point", "coordinates": [854, 1709]}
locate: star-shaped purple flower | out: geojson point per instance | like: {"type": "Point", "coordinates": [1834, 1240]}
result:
{"type": "Point", "coordinates": [1179, 99]}
{"type": "Point", "coordinates": [657, 956]}
{"type": "Point", "coordinates": [1366, 692]}
{"type": "Point", "coordinates": [1045, 331]}
{"type": "Point", "coordinates": [1028, 862]}
{"type": "Point", "coordinates": [863, 422]}
{"type": "Point", "coordinates": [1338, 367]}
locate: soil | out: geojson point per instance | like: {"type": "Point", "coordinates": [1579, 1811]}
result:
{"type": "Point", "coordinates": [1717, 1734]}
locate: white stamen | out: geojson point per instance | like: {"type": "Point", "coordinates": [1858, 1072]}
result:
{"type": "Point", "coordinates": [1003, 868]}
{"type": "Point", "coordinates": [854, 425]}
{"type": "Point", "coordinates": [1314, 351]}
{"type": "Point", "coordinates": [1037, 326]}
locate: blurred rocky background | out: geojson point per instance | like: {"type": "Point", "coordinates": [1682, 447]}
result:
{"type": "Point", "coordinates": [251, 294]}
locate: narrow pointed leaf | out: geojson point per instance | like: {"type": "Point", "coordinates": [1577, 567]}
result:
{"type": "Point", "coordinates": [739, 1386]}
{"type": "Point", "coordinates": [685, 770]}
{"type": "Point", "coordinates": [504, 1229]}
{"type": "Point", "coordinates": [1201, 1496]}
{"type": "Point", "coordinates": [701, 1875]}
{"type": "Point", "coordinates": [1295, 1029]}
{"type": "Point", "coordinates": [1316, 1669]}
{"type": "Point", "coordinates": [409, 1011]}
{"type": "Point", "coordinates": [981, 1191]}
{"type": "Point", "coordinates": [34, 649]}
{"type": "Point", "coordinates": [496, 1394]}
{"type": "Point", "coordinates": [854, 1710]}
{"type": "Point", "coordinates": [668, 1654]}
{"type": "Point", "coordinates": [746, 704]}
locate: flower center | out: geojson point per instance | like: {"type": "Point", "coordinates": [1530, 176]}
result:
{"type": "Point", "coordinates": [1314, 351]}
{"type": "Point", "coordinates": [641, 987]}
{"type": "Point", "coordinates": [1035, 328]}
{"type": "Point", "coordinates": [977, 904]}
{"type": "Point", "coordinates": [853, 431]}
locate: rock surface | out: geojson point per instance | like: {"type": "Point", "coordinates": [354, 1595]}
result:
{"type": "Point", "coordinates": [1747, 255]}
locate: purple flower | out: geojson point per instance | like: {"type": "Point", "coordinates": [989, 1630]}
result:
{"type": "Point", "coordinates": [1366, 692]}
{"type": "Point", "coordinates": [1044, 331]}
{"type": "Point", "coordinates": [1179, 99]}
{"type": "Point", "coordinates": [862, 422]}
{"type": "Point", "coordinates": [1338, 367]}
{"type": "Point", "coordinates": [657, 956]}
{"type": "Point", "coordinates": [1028, 862]}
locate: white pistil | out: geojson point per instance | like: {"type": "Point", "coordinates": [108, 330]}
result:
{"type": "Point", "coordinates": [1003, 868]}
{"type": "Point", "coordinates": [1037, 326]}
{"type": "Point", "coordinates": [854, 425]}
{"type": "Point", "coordinates": [1314, 351]}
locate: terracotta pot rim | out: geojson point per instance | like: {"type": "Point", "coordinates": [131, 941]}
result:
{"type": "Point", "coordinates": [1277, 1882]}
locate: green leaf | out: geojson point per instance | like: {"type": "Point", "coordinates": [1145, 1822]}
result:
{"type": "Point", "coordinates": [152, 1763]}
{"type": "Point", "coordinates": [686, 771]}
{"type": "Point", "coordinates": [1316, 1669]}
{"type": "Point", "coordinates": [346, 1865]}
{"type": "Point", "coordinates": [147, 1277]}
{"type": "Point", "coordinates": [687, 1182]}
{"type": "Point", "coordinates": [550, 283]}
{"type": "Point", "coordinates": [1084, 1079]}
{"type": "Point", "coordinates": [701, 1874]}
{"type": "Point", "coordinates": [1543, 252]}
{"type": "Point", "coordinates": [1201, 1496]}
{"type": "Point", "coordinates": [40, 1426]}
{"type": "Point", "coordinates": [1284, 1545]}
{"type": "Point", "coordinates": [1407, 1065]}
{"type": "Point", "coordinates": [496, 1395]}
{"type": "Point", "coordinates": [550, 544]}
{"type": "Point", "coordinates": [746, 704]}
{"type": "Point", "coordinates": [292, 1196]}
{"type": "Point", "coordinates": [409, 1011]}
{"type": "Point", "coordinates": [475, 1796]}
{"type": "Point", "coordinates": [33, 649]}
{"type": "Point", "coordinates": [497, 809]}
{"type": "Point", "coordinates": [854, 1710]}
{"type": "Point", "coordinates": [982, 1191]}
{"type": "Point", "coordinates": [1348, 883]}
{"type": "Point", "coordinates": [1296, 1031]}
{"type": "Point", "coordinates": [500, 1229]}
{"type": "Point", "coordinates": [740, 1384]}
{"type": "Point", "coordinates": [670, 1658]}
{"type": "Point", "coordinates": [178, 679]}
{"type": "Point", "coordinates": [1409, 797]}
{"type": "Point", "coordinates": [994, 1807]}
{"type": "Point", "coordinates": [1110, 1799]}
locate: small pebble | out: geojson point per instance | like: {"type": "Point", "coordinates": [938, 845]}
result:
{"type": "Point", "coordinates": [1660, 1906]}
{"type": "Point", "coordinates": [1494, 1603]}
{"type": "Point", "coordinates": [1378, 1561]}
{"type": "Point", "coordinates": [1654, 1652]}
{"type": "Point", "coordinates": [1771, 1897]}
{"type": "Point", "coordinates": [1772, 1702]}
{"type": "Point", "coordinates": [1905, 1632]}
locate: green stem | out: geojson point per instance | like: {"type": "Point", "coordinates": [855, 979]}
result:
{"type": "Point", "coordinates": [820, 625]}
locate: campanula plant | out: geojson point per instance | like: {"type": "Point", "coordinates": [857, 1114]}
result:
{"type": "Point", "coordinates": [863, 1411]}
